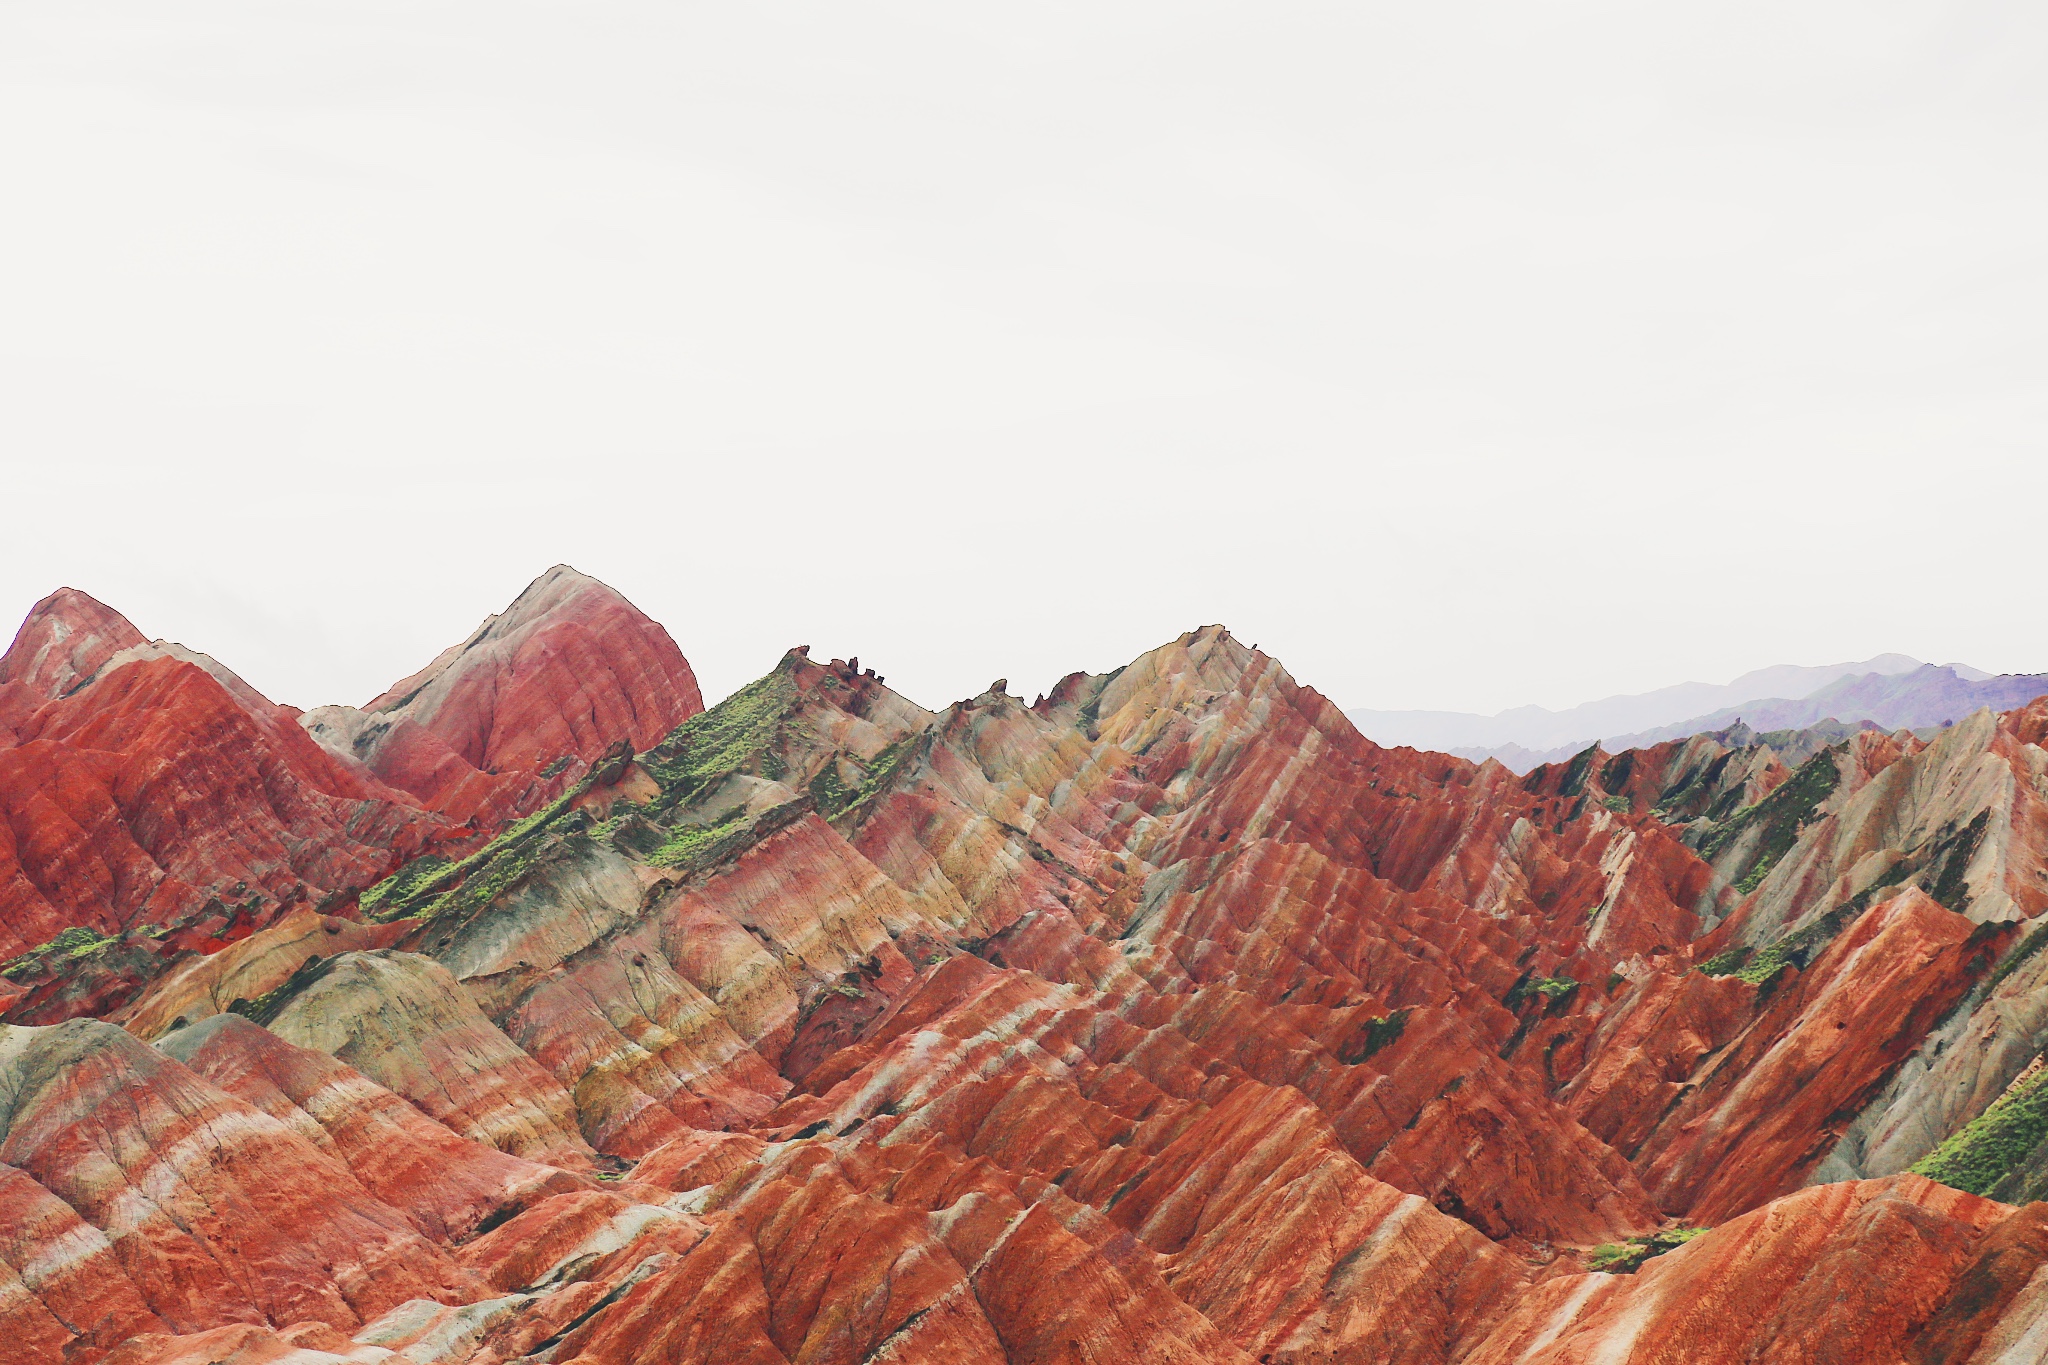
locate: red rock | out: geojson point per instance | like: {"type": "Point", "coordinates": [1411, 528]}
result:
{"type": "Point", "coordinates": [156, 787]}
{"type": "Point", "coordinates": [1166, 1019]}
{"type": "Point", "coordinates": [561, 1233]}
{"type": "Point", "coordinates": [61, 1285]}
{"type": "Point", "coordinates": [1754, 1122]}
{"type": "Point", "coordinates": [447, 1184]}
{"type": "Point", "coordinates": [67, 638]}
{"type": "Point", "coordinates": [498, 724]}
{"type": "Point", "coordinates": [1847, 1272]}
{"type": "Point", "coordinates": [214, 1211]}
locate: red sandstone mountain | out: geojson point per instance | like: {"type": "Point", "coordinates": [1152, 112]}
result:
{"type": "Point", "coordinates": [147, 786]}
{"type": "Point", "coordinates": [149, 794]}
{"type": "Point", "coordinates": [482, 732]}
{"type": "Point", "coordinates": [66, 639]}
{"type": "Point", "coordinates": [1166, 1019]}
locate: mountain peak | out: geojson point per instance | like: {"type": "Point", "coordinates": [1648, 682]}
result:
{"type": "Point", "coordinates": [568, 668]}
{"type": "Point", "coordinates": [66, 638]}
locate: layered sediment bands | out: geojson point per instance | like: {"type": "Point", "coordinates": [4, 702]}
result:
{"type": "Point", "coordinates": [449, 1185]}
{"type": "Point", "coordinates": [61, 1285]}
{"type": "Point", "coordinates": [202, 986]}
{"type": "Point", "coordinates": [500, 723]}
{"type": "Point", "coordinates": [1758, 1116]}
{"type": "Point", "coordinates": [405, 1023]}
{"type": "Point", "coordinates": [1873, 1270]}
{"type": "Point", "coordinates": [67, 638]}
{"type": "Point", "coordinates": [149, 795]}
{"type": "Point", "coordinates": [1163, 1019]}
{"type": "Point", "coordinates": [1957, 819]}
{"type": "Point", "coordinates": [208, 1209]}
{"type": "Point", "coordinates": [154, 794]}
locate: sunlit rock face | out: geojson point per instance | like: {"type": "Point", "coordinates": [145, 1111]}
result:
{"type": "Point", "coordinates": [1164, 1018]}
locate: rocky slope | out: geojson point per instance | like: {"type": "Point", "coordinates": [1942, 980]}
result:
{"type": "Point", "coordinates": [502, 722]}
{"type": "Point", "coordinates": [1163, 1018]}
{"type": "Point", "coordinates": [153, 804]}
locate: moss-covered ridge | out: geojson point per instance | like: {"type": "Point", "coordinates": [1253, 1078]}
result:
{"type": "Point", "coordinates": [1628, 1257]}
{"type": "Point", "coordinates": [1777, 819]}
{"type": "Point", "coordinates": [76, 941]}
{"type": "Point", "coordinates": [756, 733]}
{"type": "Point", "coordinates": [737, 735]}
{"type": "Point", "coordinates": [1989, 1147]}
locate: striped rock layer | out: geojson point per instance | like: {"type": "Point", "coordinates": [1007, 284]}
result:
{"type": "Point", "coordinates": [1165, 1018]}
{"type": "Point", "coordinates": [154, 805]}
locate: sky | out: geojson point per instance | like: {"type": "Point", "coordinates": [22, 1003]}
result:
{"type": "Point", "coordinates": [1460, 355]}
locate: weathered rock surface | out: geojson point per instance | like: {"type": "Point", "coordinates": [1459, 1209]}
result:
{"type": "Point", "coordinates": [148, 794]}
{"type": "Point", "coordinates": [1163, 1019]}
{"type": "Point", "coordinates": [186, 1203]}
{"type": "Point", "coordinates": [497, 725]}
{"type": "Point", "coordinates": [155, 804]}
{"type": "Point", "coordinates": [448, 1184]}
{"type": "Point", "coordinates": [67, 638]}
{"type": "Point", "coordinates": [404, 1022]}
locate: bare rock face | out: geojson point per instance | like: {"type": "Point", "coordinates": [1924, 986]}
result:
{"type": "Point", "coordinates": [190, 1206]}
{"type": "Point", "coordinates": [448, 1185]}
{"type": "Point", "coordinates": [1164, 1019]}
{"type": "Point", "coordinates": [501, 722]}
{"type": "Point", "coordinates": [67, 638]}
{"type": "Point", "coordinates": [153, 804]}
{"type": "Point", "coordinates": [162, 791]}
{"type": "Point", "coordinates": [403, 1021]}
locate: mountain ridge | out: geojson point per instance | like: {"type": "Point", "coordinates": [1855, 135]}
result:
{"type": "Point", "coordinates": [1538, 727]}
{"type": "Point", "coordinates": [1924, 696]}
{"type": "Point", "coordinates": [1165, 1018]}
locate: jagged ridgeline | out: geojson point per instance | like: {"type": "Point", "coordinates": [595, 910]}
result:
{"type": "Point", "coordinates": [717, 784]}
{"type": "Point", "coordinates": [1164, 1018]}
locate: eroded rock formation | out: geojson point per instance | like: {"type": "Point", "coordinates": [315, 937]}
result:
{"type": "Point", "coordinates": [1165, 1018]}
{"type": "Point", "coordinates": [153, 804]}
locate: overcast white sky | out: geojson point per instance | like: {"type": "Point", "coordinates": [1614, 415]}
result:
{"type": "Point", "coordinates": [1462, 355]}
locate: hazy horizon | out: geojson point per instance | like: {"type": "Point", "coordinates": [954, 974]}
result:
{"type": "Point", "coordinates": [1463, 358]}
{"type": "Point", "coordinates": [714, 694]}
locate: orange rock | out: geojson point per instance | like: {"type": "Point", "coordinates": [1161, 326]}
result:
{"type": "Point", "coordinates": [214, 1211]}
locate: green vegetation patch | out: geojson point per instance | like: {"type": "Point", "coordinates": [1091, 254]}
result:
{"type": "Point", "coordinates": [1555, 990]}
{"type": "Point", "coordinates": [690, 845]}
{"type": "Point", "coordinates": [1728, 961]}
{"type": "Point", "coordinates": [1987, 1148]}
{"type": "Point", "coordinates": [1576, 772]}
{"type": "Point", "coordinates": [76, 941]}
{"type": "Point", "coordinates": [1779, 817]}
{"type": "Point", "coordinates": [477, 879]}
{"type": "Point", "coordinates": [1628, 1257]}
{"type": "Point", "coordinates": [2014, 960]}
{"type": "Point", "coordinates": [712, 745]}
{"type": "Point", "coordinates": [1950, 859]}
{"type": "Point", "coordinates": [834, 798]}
{"type": "Point", "coordinates": [404, 884]}
{"type": "Point", "coordinates": [1760, 966]}
{"type": "Point", "coordinates": [1378, 1034]}
{"type": "Point", "coordinates": [266, 1007]}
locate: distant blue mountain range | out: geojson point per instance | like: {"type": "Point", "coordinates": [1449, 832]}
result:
{"type": "Point", "coordinates": [1891, 691]}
